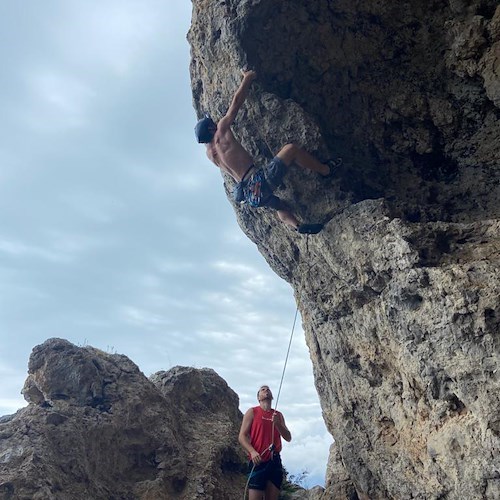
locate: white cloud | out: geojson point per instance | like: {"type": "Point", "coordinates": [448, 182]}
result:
{"type": "Point", "coordinates": [164, 179]}
{"type": "Point", "coordinates": [114, 34]}
{"type": "Point", "coordinates": [73, 244]}
{"type": "Point", "coordinates": [233, 267]}
{"type": "Point", "coordinates": [59, 100]}
{"type": "Point", "coordinates": [9, 166]}
{"type": "Point", "coordinates": [142, 317]}
{"type": "Point", "coordinates": [11, 405]}
{"type": "Point", "coordinates": [98, 208]}
{"type": "Point", "coordinates": [251, 282]}
{"type": "Point", "coordinates": [303, 421]}
{"type": "Point", "coordinates": [221, 299]}
{"type": "Point", "coordinates": [171, 266]}
{"type": "Point", "coordinates": [234, 236]}
{"type": "Point", "coordinates": [219, 336]}
{"type": "Point", "coordinates": [19, 249]}
{"type": "Point", "coordinates": [12, 381]}
{"type": "Point", "coordinates": [310, 454]}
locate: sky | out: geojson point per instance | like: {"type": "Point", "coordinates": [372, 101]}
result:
{"type": "Point", "coordinates": [115, 230]}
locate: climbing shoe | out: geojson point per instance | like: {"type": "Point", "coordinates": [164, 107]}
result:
{"type": "Point", "coordinates": [309, 228]}
{"type": "Point", "coordinates": [333, 164]}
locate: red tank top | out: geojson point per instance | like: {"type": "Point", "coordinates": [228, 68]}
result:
{"type": "Point", "coordinates": [260, 432]}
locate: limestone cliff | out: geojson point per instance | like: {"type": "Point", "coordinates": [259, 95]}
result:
{"type": "Point", "coordinates": [399, 294]}
{"type": "Point", "coordinates": [97, 428]}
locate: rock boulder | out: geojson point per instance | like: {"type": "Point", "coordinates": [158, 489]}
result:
{"type": "Point", "coordinates": [96, 427]}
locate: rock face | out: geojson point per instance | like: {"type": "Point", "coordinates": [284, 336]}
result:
{"type": "Point", "coordinates": [97, 428]}
{"type": "Point", "coordinates": [399, 294]}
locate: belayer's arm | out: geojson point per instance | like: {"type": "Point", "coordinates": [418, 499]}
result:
{"type": "Point", "coordinates": [244, 436]}
{"type": "Point", "coordinates": [279, 422]}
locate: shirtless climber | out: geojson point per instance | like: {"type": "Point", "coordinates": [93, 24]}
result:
{"type": "Point", "coordinates": [256, 185]}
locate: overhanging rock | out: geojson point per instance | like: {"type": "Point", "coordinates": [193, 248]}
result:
{"type": "Point", "coordinates": [399, 294]}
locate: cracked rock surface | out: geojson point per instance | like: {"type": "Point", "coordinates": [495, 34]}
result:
{"type": "Point", "coordinates": [399, 294]}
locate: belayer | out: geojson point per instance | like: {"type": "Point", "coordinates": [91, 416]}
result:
{"type": "Point", "coordinates": [260, 435]}
{"type": "Point", "coordinates": [256, 185]}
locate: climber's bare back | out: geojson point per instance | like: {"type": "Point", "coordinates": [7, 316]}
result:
{"type": "Point", "coordinates": [228, 154]}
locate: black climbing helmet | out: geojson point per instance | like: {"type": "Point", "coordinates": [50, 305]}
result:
{"type": "Point", "coordinates": [205, 130]}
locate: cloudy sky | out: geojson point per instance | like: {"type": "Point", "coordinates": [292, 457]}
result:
{"type": "Point", "coordinates": [115, 231]}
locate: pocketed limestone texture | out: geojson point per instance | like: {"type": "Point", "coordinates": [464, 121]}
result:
{"type": "Point", "coordinates": [399, 294]}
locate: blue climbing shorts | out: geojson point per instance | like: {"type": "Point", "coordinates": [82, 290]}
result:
{"type": "Point", "coordinates": [274, 172]}
{"type": "Point", "coordinates": [258, 189]}
{"type": "Point", "coordinates": [272, 470]}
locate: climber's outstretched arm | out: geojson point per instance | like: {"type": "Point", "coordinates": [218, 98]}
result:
{"type": "Point", "coordinates": [238, 100]}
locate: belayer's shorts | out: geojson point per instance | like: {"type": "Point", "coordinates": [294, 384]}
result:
{"type": "Point", "coordinates": [271, 470]}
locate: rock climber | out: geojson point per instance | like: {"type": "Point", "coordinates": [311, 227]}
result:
{"type": "Point", "coordinates": [260, 435]}
{"type": "Point", "coordinates": [256, 185]}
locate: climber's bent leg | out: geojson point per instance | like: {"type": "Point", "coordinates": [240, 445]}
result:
{"type": "Point", "coordinates": [291, 153]}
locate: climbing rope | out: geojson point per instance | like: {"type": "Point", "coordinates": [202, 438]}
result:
{"type": "Point", "coordinates": [286, 358]}
{"type": "Point", "coordinates": [270, 448]}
